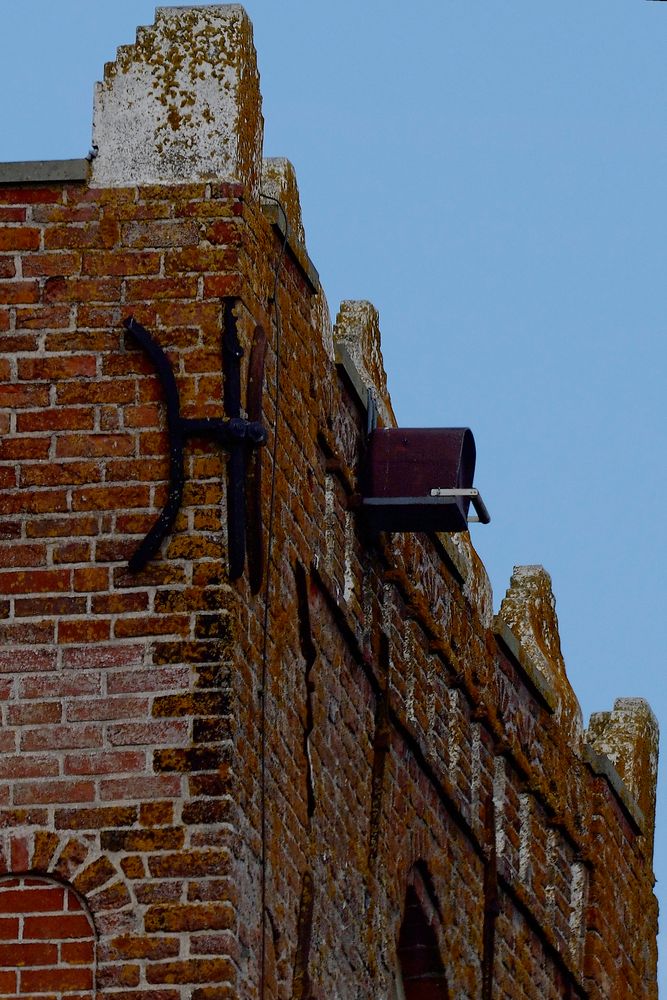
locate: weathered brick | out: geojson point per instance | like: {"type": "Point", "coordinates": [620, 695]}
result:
{"type": "Point", "coordinates": [120, 263]}
{"type": "Point", "coordinates": [19, 292]}
{"type": "Point", "coordinates": [142, 840]}
{"type": "Point", "coordinates": [42, 317]}
{"type": "Point", "coordinates": [63, 419]}
{"type": "Point", "coordinates": [94, 819]}
{"type": "Point", "coordinates": [19, 238]}
{"type": "Point", "coordinates": [49, 369]}
{"type": "Point", "coordinates": [36, 581]}
{"type": "Point", "coordinates": [204, 970]}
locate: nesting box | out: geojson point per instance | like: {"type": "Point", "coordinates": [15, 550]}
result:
{"type": "Point", "coordinates": [420, 479]}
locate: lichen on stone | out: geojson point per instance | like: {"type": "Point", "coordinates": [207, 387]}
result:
{"type": "Point", "coordinates": [529, 611]}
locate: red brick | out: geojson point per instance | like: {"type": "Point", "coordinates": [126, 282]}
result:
{"type": "Point", "coordinates": [11, 214]}
{"type": "Point", "coordinates": [33, 502]}
{"type": "Point", "coordinates": [120, 391]}
{"type": "Point", "coordinates": [28, 633]}
{"type": "Point", "coordinates": [103, 657]}
{"type": "Point", "coordinates": [65, 213]}
{"type": "Point", "coordinates": [108, 709]}
{"type": "Point", "coordinates": [9, 929]}
{"type": "Point", "coordinates": [20, 448]}
{"type": "Point", "coordinates": [29, 607]}
{"type": "Point", "coordinates": [65, 737]}
{"type": "Point", "coordinates": [148, 734]}
{"type": "Point", "coordinates": [199, 259]}
{"type": "Point", "coordinates": [19, 238]}
{"type": "Point", "coordinates": [58, 527]}
{"type": "Point", "coordinates": [53, 791]}
{"type": "Point", "coordinates": [94, 819]}
{"type": "Point", "coordinates": [20, 954]}
{"type": "Point", "coordinates": [50, 369]}
{"type": "Point", "coordinates": [62, 978]}
{"type": "Point", "coordinates": [45, 899]}
{"type": "Point", "coordinates": [110, 497]}
{"type": "Point", "coordinates": [47, 264]}
{"type": "Point", "coordinates": [23, 397]}
{"type": "Point", "coordinates": [148, 289]}
{"type": "Point", "coordinates": [92, 235]}
{"type": "Point", "coordinates": [35, 713]}
{"type": "Point", "coordinates": [36, 581]}
{"type": "Point", "coordinates": [151, 625]}
{"type": "Point", "coordinates": [71, 552]}
{"type": "Point", "coordinates": [31, 195]}
{"type": "Point", "coordinates": [155, 679]}
{"type": "Point", "coordinates": [77, 952]}
{"type": "Point", "coordinates": [77, 684]}
{"type": "Point", "coordinates": [202, 314]}
{"type": "Point", "coordinates": [109, 762]}
{"type": "Point", "coordinates": [157, 787]}
{"type": "Point", "coordinates": [167, 233]}
{"type": "Point", "coordinates": [177, 917]}
{"type": "Point", "coordinates": [7, 265]}
{"type": "Point", "coordinates": [15, 556]}
{"type": "Point", "coordinates": [19, 854]}
{"type": "Point", "coordinates": [65, 925]}
{"type": "Point", "coordinates": [148, 415]}
{"type": "Point", "coordinates": [26, 766]}
{"type": "Point", "coordinates": [149, 194]}
{"type": "Point", "coordinates": [43, 318]}
{"type": "Point", "coordinates": [120, 263]}
{"type": "Point", "coordinates": [131, 363]}
{"type": "Point", "coordinates": [59, 289]}
{"type": "Point", "coordinates": [84, 630]}
{"type": "Point", "coordinates": [18, 291]}
{"type": "Point", "coordinates": [27, 661]}
{"type": "Point", "coordinates": [8, 980]}
{"type": "Point", "coordinates": [90, 578]}
{"type": "Point", "coordinates": [103, 604]}
{"type": "Point", "coordinates": [22, 817]}
{"type": "Point", "coordinates": [76, 340]}
{"type": "Point", "coordinates": [204, 970]}
{"type": "Point", "coordinates": [98, 445]}
{"type": "Point", "coordinates": [63, 418]}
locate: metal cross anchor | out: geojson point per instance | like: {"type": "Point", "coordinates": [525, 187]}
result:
{"type": "Point", "coordinates": [240, 436]}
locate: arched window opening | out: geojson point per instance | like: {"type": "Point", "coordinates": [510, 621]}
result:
{"type": "Point", "coordinates": [421, 970]}
{"type": "Point", "coordinates": [48, 941]}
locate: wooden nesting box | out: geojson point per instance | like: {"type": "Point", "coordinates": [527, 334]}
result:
{"type": "Point", "coordinates": [421, 479]}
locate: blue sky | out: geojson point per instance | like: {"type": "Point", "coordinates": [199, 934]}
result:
{"type": "Point", "coordinates": [491, 176]}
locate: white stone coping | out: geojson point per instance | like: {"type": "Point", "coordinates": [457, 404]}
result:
{"type": "Point", "coordinates": [600, 764]}
{"type": "Point", "coordinates": [277, 219]}
{"type": "Point", "coordinates": [527, 667]}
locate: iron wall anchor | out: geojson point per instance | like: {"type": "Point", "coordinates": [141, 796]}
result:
{"type": "Point", "coordinates": [238, 435]}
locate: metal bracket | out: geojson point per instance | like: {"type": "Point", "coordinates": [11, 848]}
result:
{"type": "Point", "coordinates": [240, 436]}
{"type": "Point", "coordinates": [483, 516]}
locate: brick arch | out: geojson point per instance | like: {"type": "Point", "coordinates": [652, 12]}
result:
{"type": "Point", "coordinates": [48, 939]}
{"type": "Point", "coordinates": [420, 964]}
{"type": "Point", "coordinates": [70, 860]}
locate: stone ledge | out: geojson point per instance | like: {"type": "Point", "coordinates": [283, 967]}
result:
{"type": "Point", "coordinates": [601, 765]}
{"type": "Point", "coordinates": [347, 367]}
{"type": "Point", "coordinates": [531, 673]}
{"type": "Point", "coordinates": [277, 219]}
{"type": "Point", "coordinates": [44, 171]}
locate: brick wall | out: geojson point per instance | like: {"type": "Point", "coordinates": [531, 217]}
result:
{"type": "Point", "coordinates": [47, 942]}
{"type": "Point", "coordinates": [292, 789]}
